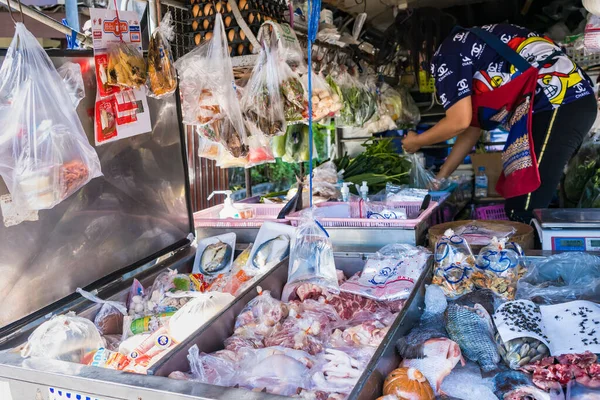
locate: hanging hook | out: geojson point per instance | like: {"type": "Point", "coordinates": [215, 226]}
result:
{"type": "Point", "coordinates": [20, 10]}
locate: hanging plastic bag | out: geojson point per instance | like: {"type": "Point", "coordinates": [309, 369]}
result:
{"type": "Point", "coordinates": [126, 67]}
{"type": "Point", "coordinates": [454, 264]}
{"type": "Point", "coordinates": [227, 160]}
{"type": "Point", "coordinates": [311, 258]}
{"type": "Point", "coordinates": [390, 274]}
{"type": "Point", "coordinates": [63, 337]}
{"type": "Point", "coordinates": [46, 156]}
{"type": "Point", "coordinates": [297, 144]}
{"type": "Point", "coordinates": [262, 101]}
{"type": "Point", "coordinates": [359, 103]}
{"type": "Point", "coordinates": [325, 103]}
{"type": "Point", "coordinates": [497, 269]}
{"type": "Point", "coordinates": [259, 149]}
{"type": "Point", "coordinates": [208, 91]}
{"type": "Point", "coordinates": [196, 313]}
{"type": "Point", "coordinates": [73, 79]}
{"type": "Point", "coordinates": [581, 168]}
{"type": "Point", "coordinates": [109, 319]}
{"type": "Point", "coordinates": [208, 149]}
{"type": "Point", "coordinates": [410, 114]}
{"type": "Point", "coordinates": [294, 103]}
{"type": "Point", "coordinates": [162, 79]}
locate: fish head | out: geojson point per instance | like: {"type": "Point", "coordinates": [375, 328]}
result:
{"type": "Point", "coordinates": [483, 314]}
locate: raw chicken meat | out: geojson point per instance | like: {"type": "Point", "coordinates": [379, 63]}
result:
{"type": "Point", "coordinates": [368, 333]}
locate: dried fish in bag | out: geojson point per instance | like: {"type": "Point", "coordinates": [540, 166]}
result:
{"type": "Point", "coordinates": [162, 79]}
{"type": "Point", "coordinates": [498, 267]}
{"type": "Point", "coordinates": [454, 263]}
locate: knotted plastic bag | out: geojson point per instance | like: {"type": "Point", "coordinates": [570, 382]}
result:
{"type": "Point", "coordinates": [311, 258]}
{"type": "Point", "coordinates": [109, 319]}
{"type": "Point", "coordinates": [63, 337]}
{"type": "Point", "coordinates": [498, 266]}
{"type": "Point", "coordinates": [162, 79]}
{"type": "Point", "coordinates": [454, 264]}
{"type": "Point", "coordinates": [45, 155]}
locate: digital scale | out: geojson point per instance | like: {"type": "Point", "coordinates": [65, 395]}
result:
{"type": "Point", "coordinates": [568, 229]}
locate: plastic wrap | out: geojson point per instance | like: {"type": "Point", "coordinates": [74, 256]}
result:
{"type": "Point", "coordinates": [262, 101]}
{"type": "Point", "coordinates": [420, 177]}
{"type": "Point", "coordinates": [498, 267]}
{"type": "Point", "coordinates": [212, 369]}
{"type": "Point", "coordinates": [196, 313]}
{"type": "Point", "coordinates": [261, 313]}
{"type": "Point", "coordinates": [338, 370]}
{"type": "Point", "coordinates": [454, 264]}
{"type": "Point", "coordinates": [126, 66]}
{"type": "Point", "coordinates": [400, 193]}
{"type": "Point", "coordinates": [480, 233]}
{"type": "Point", "coordinates": [561, 278]}
{"type": "Point", "coordinates": [208, 92]}
{"type": "Point", "coordinates": [46, 156]}
{"type": "Point", "coordinates": [109, 319]}
{"type": "Point", "coordinates": [63, 337]}
{"type": "Point", "coordinates": [162, 79]}
{"type": "Point", "coordinates": [390, 274]}
{"type": "Point", "coordinates": [311, 258]}
{"type": "Point", "coordinates": [325, 102]}
{"type": "Point", "coordinates": [73, 79]}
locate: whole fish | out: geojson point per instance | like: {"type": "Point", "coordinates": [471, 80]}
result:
{"type": "Point", "coordinates": [441, 356]}
{"type": "Point", "coordinates": [431, 325]}
{"type": "Point", "coordinates": [484, 297]}
{"type": "Point", "coordinates": [215, 257]}
{"type": "Point", "coordinates": [515, 385]}
{"type": "Point", "coordinates": [271, 252]}
{"type": "Point", "coordinates": [473, 330]}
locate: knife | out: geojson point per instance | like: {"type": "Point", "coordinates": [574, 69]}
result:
{"type": "Point", "coordinates": [424, 206]}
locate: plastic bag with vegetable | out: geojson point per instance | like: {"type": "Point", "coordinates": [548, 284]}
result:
{"type": "Point", "coordinates": [454, 264]}
{"type": "Point", "coordinates": [73, 79]}
{"type": "Point", "coordinates": [295, 105]}
{"type": "Point", "coordinates": [297, 144]}
{"type": "Point", "coordinates": [262, 101]}
{"type": "Point", "coordinates": [109, 319]}
{"type": "Point", "coordinates": [63, 337]}
{"type": "Point", "coordinates": [208, 92]}
{"type": "Point", "coordinates": [359, 103]}
{"type": "Point", "coordinates": [584, 166]}
{"type": "Point", "coordinates": [311, 258]}
{"type": "Point", "coordinates": [46, 156]}
{"type": "Point", "coordinates": [162, 78]}
{"type": "Point", "coordinates": [590, 198]}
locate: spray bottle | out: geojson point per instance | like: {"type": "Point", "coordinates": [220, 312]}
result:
{"type": "Point", "coordinates": [364, 191]}
{"type": "Point", "coordinates": [228, 210]}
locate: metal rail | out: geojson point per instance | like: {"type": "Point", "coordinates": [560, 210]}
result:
{"type": "Point", "coordinates": [46, 20]}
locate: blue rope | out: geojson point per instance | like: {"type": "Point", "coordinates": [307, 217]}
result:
{"type": "Point", "coordinates": [314, 13]}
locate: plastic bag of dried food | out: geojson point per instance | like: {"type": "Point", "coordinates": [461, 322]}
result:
{"type": "Point", "coordinates": [311, 258]}
{"type": "Point", "coordinates": [63, 337]}
{"type": "Point", "coordinates": [46, 156]}
{"type": "Point", "coordinates": [208, 91]}
{"type": "Point", "coordinates": [126, 66]}
{"type": "Point", "coordinates": [73, 79]}
{"type": "Point", "coordinates": [497, 268]}
{"type": "Point", "coordinates": [262, 101]}
{"type": "Point", "coordinates": [454, 264]}
{"type": "Point", "coordinates": [162, 79]}
{"type": "Point", "coordinates": [480, 233]}
{"type": "Point", "coordinates": [325, 102]}
{"type": "Point", "coordinates": [109, 319]}
{"type": "Point", "coordinates": [390, 274]}
{"type": "Point", "coordinates": [561, 278]}
{"type": "Point", "coordinates": [521, 351]}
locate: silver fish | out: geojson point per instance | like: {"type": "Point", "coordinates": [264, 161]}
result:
{"type": "Point", "coordinates": [271, 252]}
{"type": "Point", "coordinates": [518, 386]}
{"type": "Point", "coordinates": [215, 257]}
{"type": "Point", "coordinates": [473, 330]}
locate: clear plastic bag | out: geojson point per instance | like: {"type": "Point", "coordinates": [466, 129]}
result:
{"type": "Point", "coordinates": [338, 370]}
{"type": "Point", "coordinates": [297, 144]}
{"type": "Point", "coordinates": [561, 278]}
{"type": "Point", "coordinates": [196, 313]}
{"type": "Point", "coordinates": [262, 311]}
{"type": "Point", "coordinates": [162, 79]}
{"type": "Point", "coordinates": [359, 103]}
{"type": "Point", "coordinates": [126, 66]}
{"type": "Point", "coordinates": [590, 198]}
{"type": "Point", "coordinates": [420, 177]}
{"type": "Point", "coordinates": [208, 149]}
{"type": "Point", "coordinates": [402, 193]}
{"type": "Point", "coordinates": [259, 150]}
{"type": "Point", "coordinates": [262, 101]}
{"type": "Point", "coordinates": [311, 258]}
{"type": "Point", "coordinates": [63, 337]}
{"type": "Point", "coordinates": [480, 233]}
{"type": "Point", "coordinates": [212, 369]}
{"type": "Point", "coordinates": [293, 92]}
{"type": "Point", "coordinates": [46, 156]}
{"type": "Point", "coordinates": [578, 391]}
{"type": "Point", "coordinates": [168, 282]}
{"type": "Point", "coordinates": [325, 102]}
{"type": "Point", "coordinates": [497, 268]}
{"type": "Point", "coordinates": [208, 91]}
{"type": "Point", "coordinates": [73, 79]}
{"type": "Point", "coordinates": [390, 274]}
{"type": "Point", "coordinates": [109, 319]}
{"type": "Point", "coordinates": [454, 264]}
{"type": "Point", "coordinates": [410, 114]}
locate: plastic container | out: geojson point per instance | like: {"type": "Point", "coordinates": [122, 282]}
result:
{"type": "Point", "coordinates": [357, 211]}
{"type": "Point", "coordinates": [495, 212]}
{"type": "Point", "coordinates": [262, 212]}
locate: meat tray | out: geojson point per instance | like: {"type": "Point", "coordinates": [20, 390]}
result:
{"type": "Point", "coordinates": [210, 338]}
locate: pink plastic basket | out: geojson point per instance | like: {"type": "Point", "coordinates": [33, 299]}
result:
{"type": "Point", "coordinates": [209, 218]}
{"type": "Point", "coordinates": [357, 213]}
{"type": "Point", "coordinates": [495, 212]}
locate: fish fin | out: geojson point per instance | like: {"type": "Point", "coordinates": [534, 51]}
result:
{"type": "Point", "coordinates": [463, 362]}
{"type": "Point", "coordinates": [407, 351]}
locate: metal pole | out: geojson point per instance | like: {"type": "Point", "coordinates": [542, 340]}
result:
{"type": "Point", "coordinates": [248, 177]}
{"type": "Point", "coordinates": [52, 23]}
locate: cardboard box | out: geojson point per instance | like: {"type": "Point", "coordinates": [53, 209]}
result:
{"type": "Point", "coordinates": [493, 168]}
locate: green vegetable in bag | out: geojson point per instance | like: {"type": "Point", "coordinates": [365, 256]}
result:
{"type": "Point", "coordinates": [591, 193]}
{"type": "Point", "coordinates": [278, 145]}
{"type": "Point", "coordinates": [580, 170]}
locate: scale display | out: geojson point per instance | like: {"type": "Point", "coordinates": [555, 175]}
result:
{"type": "Point", "coordinates": [575, 244]}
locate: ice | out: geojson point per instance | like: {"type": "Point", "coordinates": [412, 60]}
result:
{"type": "Point", "coordinates": [466, 383]}
{"type": "Point", "coordinates": [435, 300]}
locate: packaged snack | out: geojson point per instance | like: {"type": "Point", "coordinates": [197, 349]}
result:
{"type": "Point", "coordinates": [147, 324]}
{"type": "Point", "coordinates": [162, 79]}
{"type": "Point", "coordinates": [105, 358]}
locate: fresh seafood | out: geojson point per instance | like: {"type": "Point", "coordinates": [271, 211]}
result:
{"type": "Point", "coordinates": [271, 252]}
{"type": "Point", "coordinates": [514, 385]}
{"type": "Point", "coordinates": [215, 257]}
{"type": "Point", "coordinates": [440, 357]}
{"type": "Point", "coordinates": [431, 325]}
{"type": "Point", "coordinates": [484, 297]}
{"type": "Point", "coordinates": [473, 330]}
{"type": "Point", "coordinates": [521, 351]}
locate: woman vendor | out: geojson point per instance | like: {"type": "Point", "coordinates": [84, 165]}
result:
{"type": "Point", "coordinates": [505, 76]}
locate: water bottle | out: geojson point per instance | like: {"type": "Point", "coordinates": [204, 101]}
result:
{"type": "Point", "coordinates": [481, 183]}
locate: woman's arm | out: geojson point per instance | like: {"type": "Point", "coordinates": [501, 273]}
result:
{"type": "Point", "coordinates": [457, 119]}
{"type": "Point", "coordinates": [463, 146]}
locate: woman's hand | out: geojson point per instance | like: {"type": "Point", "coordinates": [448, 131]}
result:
{"type": "Point", "coordinates": [410, 142]}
